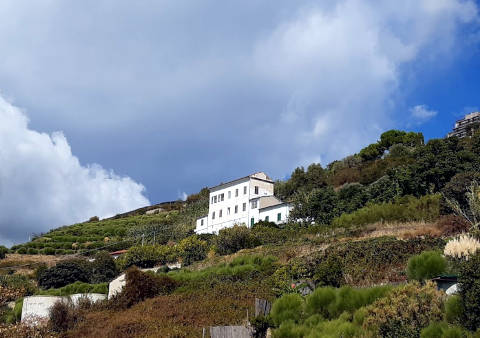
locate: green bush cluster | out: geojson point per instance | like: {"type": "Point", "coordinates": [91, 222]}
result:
{"type": "Point", "coordinates": [188, 250]}
{"type": "Point", "coordinates": [101, 269]}
{"type": "Point", "coordinates": [427, 265]}
{"type": "Point", "coordinates": [408, 208]}
{"type": "Point", "coordinates": [324, 313]}
{"type": "Point", "coordinates": [77, 287]}
{"type": "Point", "coordinates": [238, 237]}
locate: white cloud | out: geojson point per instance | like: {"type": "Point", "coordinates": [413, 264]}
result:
{"type": "Point", "coordinates": [421, 113]}
{"type": "Point", "coordinates": [182, 195]}
{"type": "Point", "coordinates": [43, 185]}
{"type": "Point", "coordinates": [342, 64]}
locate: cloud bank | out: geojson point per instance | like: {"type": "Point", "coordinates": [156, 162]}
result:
{"type": "Point", "coordinates": [42, 185]}
{"type": "Point", "coordinates": [194, 94]}
{"type": "Point", "coordinates": [421, 113]}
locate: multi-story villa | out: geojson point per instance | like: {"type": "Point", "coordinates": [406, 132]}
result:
{"type": "Point", "coordinates": [466, 126]}
{"type": "Point", "coordinates": [246, 200]}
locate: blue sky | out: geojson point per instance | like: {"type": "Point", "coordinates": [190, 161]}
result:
{"type": "Point", "coordinates": [155, 99]}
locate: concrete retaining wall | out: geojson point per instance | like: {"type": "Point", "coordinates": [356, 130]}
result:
{"type": "Point", "coordinates": [36, 308]}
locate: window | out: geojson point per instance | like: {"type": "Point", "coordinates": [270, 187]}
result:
{"type": "Point", "coordinates": [213, 215]}
{"type": "Point", "coordinates": [220, 213]}
{"type": "Point", "coordinates": [201, 222]}
{"type": "Point", "coordinates": [245, 190]}
{"type": "Point", "coordinates": [279, 216]}
{"type": "Point", "coordinates": [244, 207]}
{"type": "Point", "coordinates": [215, 199]}
{"type": "Point", "coordinates": [252, 221]}
{"type": "Point", "coordinates": [228, 211]}
{"type": "Point", "coordinates": [256, 190]}
{"type": "Point", "coordinates": [236, 192]}
{"type": "Point", "coordinates": [221, 197]}
{"type": "Point", "coordinates": [267, 218]}
{"type": "Point", "coordinates": [229, 194]}
{"type": "Point", "coordinates": [212, 199]}
{"type": "Point", "coordinates": [254, 204]}
{"type": "Point", "coordinates": [236, 209]}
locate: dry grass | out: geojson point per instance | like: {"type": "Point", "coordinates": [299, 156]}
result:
{"type": "Point", "coordinates": [26, 264]}
{"type": "Point", "coordinates": [401, 230]}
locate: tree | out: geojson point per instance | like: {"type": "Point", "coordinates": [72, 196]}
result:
{"type": "Point", "coordinates": [371, 152]}
{"type": "Point", "coordinates": [471, 213]}
{"type": "Point", "coordinates": [103, 268]}
{"type": "Point", "coordinates": [470, 291]}
{"type": "Point", "coordinates": [64, 273]}
{"type": "Point", "coordinates": [3, 252]}
{"type": "Point", "coordinates": [351, 196]}
{"type": "Point", "coordinates": [316, 205]}
{"type": "Point", "coordinates": [192, 249]}
{"type": "Point", "coordinates": [238, 237]}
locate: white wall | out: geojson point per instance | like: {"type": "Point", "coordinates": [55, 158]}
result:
{"type": "Point", "coordinates": [37, 308]}
{"type": "Point", "coordinates": [273, 211]}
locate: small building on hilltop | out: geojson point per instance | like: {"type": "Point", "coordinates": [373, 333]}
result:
{"type": "Point", "coordinates": [246, 200]}
{"type": "Point", "coordinates": [466, 126]}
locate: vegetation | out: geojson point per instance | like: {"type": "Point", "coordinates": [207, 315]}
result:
{"type": "Point", "coordinates": [470, 292]}
{"type": "Point", "coordinates": [427, 265]}
{"type": "Point", "coordinates": [77, 287]}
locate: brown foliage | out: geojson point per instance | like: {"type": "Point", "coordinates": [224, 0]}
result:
{"type": "Point", "coordinates": [177, 315]}
{"type": "Point", "coordinates": [142, 285]}
{"type": "Point", "coordinates": [451, 225]}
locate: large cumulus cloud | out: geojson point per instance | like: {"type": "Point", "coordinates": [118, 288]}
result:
{"type": "Point", "coordinates": [186, 95]}
{"type": "Point", "coordinates": [42, 185]}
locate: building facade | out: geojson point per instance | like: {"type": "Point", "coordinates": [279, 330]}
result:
{"type": "Point", "coordinates": [466, 126]}
{"type": "Point", "coordinates": [246, 200]}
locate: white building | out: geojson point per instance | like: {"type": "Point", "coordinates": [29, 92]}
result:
{"type": "Point", "coordinates": [246, 200]}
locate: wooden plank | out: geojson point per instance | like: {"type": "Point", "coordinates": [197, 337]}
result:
{"type": "Point", "coordinates": [230, 332]}
{"type": "Point", "coordinates": [262, 307]}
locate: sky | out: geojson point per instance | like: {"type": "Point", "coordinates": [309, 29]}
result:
{"type": "Point", "coordinates": [110, 105]}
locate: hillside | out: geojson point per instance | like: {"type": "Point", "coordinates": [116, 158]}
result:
{"type": "Point", "coordinates": [375, 228]}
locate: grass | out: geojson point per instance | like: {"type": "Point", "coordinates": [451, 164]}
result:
{"type": "Point", "coordinates": [77, 287]}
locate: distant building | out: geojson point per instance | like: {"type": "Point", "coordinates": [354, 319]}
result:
{"type": "Point", "coordinates": [246, 200]}
{"type": "Point", "coordinates": [466, 126]}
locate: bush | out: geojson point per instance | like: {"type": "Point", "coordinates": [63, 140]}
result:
{"type": "Point", "coordinates": [22, 251]}
{"type": "Point", "coordinates": [453, 309]}
{"type": "Point", "coordinates": [192, 249]}
{"type": "Point", "coordinates": [405, 311]}
{"type": "Point", "coordinates": [404, 209]}
{"type": "Point", "coordinates": [147, 256]}
{"type": "Point", "coordinates": [49, 251]}
{"type": "Point", "coordinates": [442, 330]}
{"type": "Point", "coordinates": [452, 225]}
{"type": "Point", "coordinates": [3, 252]}
{"type": "Point", "coordinates": [77, 287]}
{"type": "Point", "coordinates": [287, 307]}
{"type": "Point", "coordinates": [64, 273]}
{"type": "Point", "coordinates": [427, 265]}
{"type": "Point", "coordinates": [230, 240]}
{"type": "Point", "coordinates": [329, 272]}
{"type": "Point", "coordinates": [62, 316]}
{"type": "Point", "coordinates": [32, 251]}
{"type": "Point", "coordinates": [103, 268]}
{"type": "Point", "coordinates": [330, 303]}
{"type": "Point", "coordinates": [470, 292]}
{"type": "Point", "coordinates": [140, 286]}
{"type": "Point", "coordinates": [461, 247]}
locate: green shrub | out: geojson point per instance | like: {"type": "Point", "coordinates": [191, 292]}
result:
{"type": "Point", "coordinates": [443, 330]}
{"type": "Point", "coordinates": [427, 265]}
{"type": "Point", "coordinates": [289, 329]}
{"type": "Point", "coordinates": [453, 309]}
{"type": "Point", "coordinates": [59, 252]}
{"type": "Point", "coordinates": [192, 249]}
{"type": "Point", "coordinates": [238, 237]}
{"type": "Point", "coordinates": [406, 310]}
{"type": "Point", "coordinates": [64, 273]}
{"type": "Point", "coordinates": [408, 208]}
{"type": "Point", "coordinates": [329, 272]}
{"type": "Point", "coordinates": [147, 256]}
{"type": "Point", "coordinates": [103, 267]}
{"type": "Point", "coordinates": [32, 251]}
{"type": "Point", "coordinates": [288, 307]}
{"type": "Point", "coordinates": [77, 287]}
{"type": "Point", "coordinates": [49, 251]}
{"type": "Point", "coordinates": [22, 251]}
{"type": "Point", "coordinates": [332, 302]}
{"type": "Point", "coordinates": [470, 292]}
{"type": "Point", "coordinates": [17, 310]}
{"type": "Point", "coordinates": [3, 252]}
